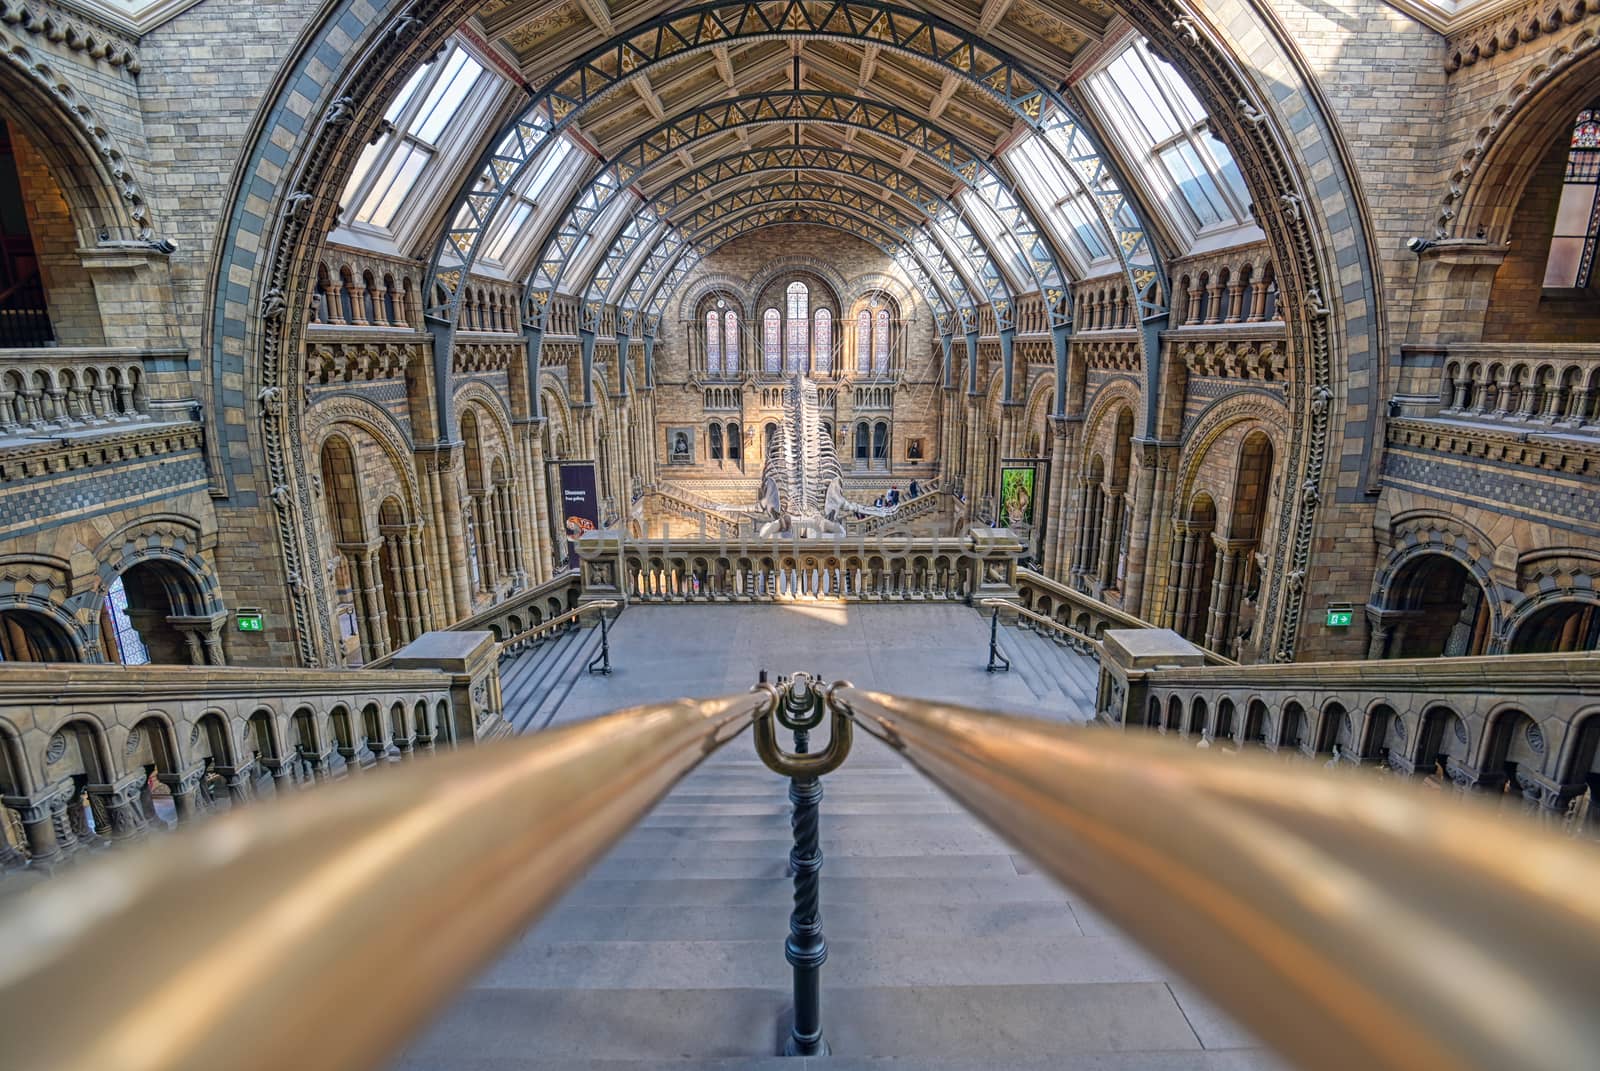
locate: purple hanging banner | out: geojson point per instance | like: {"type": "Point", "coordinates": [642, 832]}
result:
{"type": "Point", "coordinates": [580, 504]}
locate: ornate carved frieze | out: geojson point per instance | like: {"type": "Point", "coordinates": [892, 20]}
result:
{"type": "Point", "coordinates": [336, 361]}
{"type": "Point", "coordinates": [55, 25]}
{"type": "Point", "coordinates": [52, 457]}
{"type": "Point", "coordinates": [1512, 28]}
{"type": "Point", "coordinates": [1565, 454]}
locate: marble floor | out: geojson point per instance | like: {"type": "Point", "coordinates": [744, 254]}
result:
{"type": "Point", "coordinates": [935, 651]}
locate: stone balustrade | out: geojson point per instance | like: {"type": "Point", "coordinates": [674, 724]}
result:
{"type": "Point", "coordinates": [93, 755]}
{"type": "Point", "coordinates": [1082, 613]}
{"type": "Point", "coordinates": [44, 390]}
{"type": "Point", "coordinates": [705, 521]}
{"type": "Point", "coordinates": [980, 564]}
{"type": "Point", "coordinates": [1538, 385]}
{"type": "Point", "coordinates": [1521, 724]}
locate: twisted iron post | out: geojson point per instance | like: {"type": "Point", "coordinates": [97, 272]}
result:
{"type": "Point", "coordinates": [997, 661]}
{"type": "Point", "coordinates": [799, 705]}
{"type": "Point", "coordinates": [601, 663]}
{"type": "Point", "coordinates": [806, 949]}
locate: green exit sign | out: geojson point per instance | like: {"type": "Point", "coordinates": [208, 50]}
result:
{"type": "Point", "coordinates": [251, 622]}
{"type": "Point", "coordinates": [1340, 617]}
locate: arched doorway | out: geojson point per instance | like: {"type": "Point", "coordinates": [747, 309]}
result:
{"type": "Point", "coordinates": [1236, 570]}
{"type": "Point", "coordinates": [155, 613]}
{"type": "Point", "coordinates": [30, 636]}
{"type": "Point", "coordinates": [1441, 609]}
{"type": "Point", "coordinates": [1559, 627]}
{"type": "Point", "coordinates": [357, 581]}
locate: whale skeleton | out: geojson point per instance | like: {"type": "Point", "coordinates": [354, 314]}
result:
{"type": "Point", "coordinates": [802, 485]}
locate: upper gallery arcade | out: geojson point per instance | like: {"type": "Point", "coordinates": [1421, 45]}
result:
{"type": "Point", "coordinates": [1273, 312]}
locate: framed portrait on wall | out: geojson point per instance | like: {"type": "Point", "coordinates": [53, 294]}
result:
{"type": "Point", "coordinates": [680, 446]}
{"type": "Point", "coordinates": [913, 449]}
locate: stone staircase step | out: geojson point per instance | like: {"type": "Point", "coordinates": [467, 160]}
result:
{"type": "Point", "coordinates": [948, 950]}
{"type": "Point", "coordinates": [580, 921]}
{"type": "Point", "coordinates": [776, 866]}
{"type": "Point", "coordinates": [777, 893]}
{"type": "Point", "coordinates": [911, 1024]}
{"type": "Point", "coordinates": [586, 643]}
{"type": "Point", "coordinates": [873, 962]}
{"type": "Point", "coordinates": [1219, 1060]}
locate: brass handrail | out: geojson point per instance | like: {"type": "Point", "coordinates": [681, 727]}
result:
{"type": "Point", "coordinates": [570, 615]}
{"type": "Point", "coordinates": [319, 931]}
{"type": "Point", "coordinates": [1364, 926]}
{"type": "Point", "coordinates": [1023, 611]}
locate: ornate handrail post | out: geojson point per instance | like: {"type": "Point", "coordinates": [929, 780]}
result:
{"type": "Point", "coordinates": [997, 661]}
{"type": "Point", "coordinates": [1128, 657]}
{"type": "Point", "coordinates": [601, 663]}
{"type": "Point", "coordinates": [800, 707]}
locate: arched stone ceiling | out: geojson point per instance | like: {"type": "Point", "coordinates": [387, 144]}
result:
{"type": "Point", "coordinates": [649, 87]}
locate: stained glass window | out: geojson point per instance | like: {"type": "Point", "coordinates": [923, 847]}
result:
{"type": "Point", "coordinates": [880, 345]}
{"type": "Point", "coordinates": [771, 342]}
{"type": "Point", "coordinates": [864, 342]}
{"type": "Point", "coordinates": [822, 342]}
{"type": "Point", "coordinates": [730, 343]}
{"type": "Point", "coordinates": [130, 646]}
{"type": "Point", "coordinates": [713, 343]}
{"type": "Point", "coordinates": [1586, 132]}
{"type": "Point", "coordinates": [1572, 241]}
{"type": "Point", "coordinates": [797, 333]}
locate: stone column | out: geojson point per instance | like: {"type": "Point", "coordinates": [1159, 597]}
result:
{"type": "Point", "coordinates": [1258, 299]}
{"type": "Point", "coordinates": [1054, 506]}
{"type": "Point", "coordinates": [1223, 590]}
{"type": "Point", "coordinates": [1502, 397]}
{"type": "Point", "coordinates": [120, 806]}
{"type": "Point", "coordinates": [1110, 536]}
{"type": "Point", "coordinates": [394, 538]}
{"type": "Point", "coordinates": [66, 817]}
{"type": "Point", "coordinates": [533, 511]}
{"type": "Point", "coordinates": [1140, 536]}
{"type": "Point", "coordinates": [488, 559]}
{"type": "Point", "coordinates": [184, 788]}
{"type": "Point", "coordinates": [416, 588]}
{"type": "Point", "coordinates": [434, 561]}
{"type": "Point", "coordinates": [1236, 310]}
{"type": "Point", "coordinates": [455, 534]}
{"type": "Point", "coordinates": [39, 829]}
{"type": "Point", "coordinates": [373, 619]}
{"type": "Point", "coordinates": [1577, 405]}
{"type": "Point", "coordinates": [1183, 575]}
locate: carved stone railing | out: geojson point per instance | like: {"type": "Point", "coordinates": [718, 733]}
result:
{"type": "Point", "coordinates": [42, 391]}
{"type": "Point", "coordinates": [1510, 724]}
{"type": "Point", "coordinates": [929, 500]}
{"type": "Point", "coordinates": [706, 518]}
{"type": "Point", "coordinates": [980, 564]}
{"type": "Point", "coordinates": [1539, 387]}
{"type": "Point", "coordinates": [97, 754]}
{"type": "Point", "coordinates": [1086, 615]}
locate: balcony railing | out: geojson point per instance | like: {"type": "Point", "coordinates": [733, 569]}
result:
{"type": "Point", "coordinates": [1350, 925]}
{"type": "Point", "coordinates": [117, 737]}
{"type": "Point", "coordinates": [1522, 727]}
{"type": "Point", "coordinates": [1539, 386]}
{"type": "Point", "coordinates": [71, 387]}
